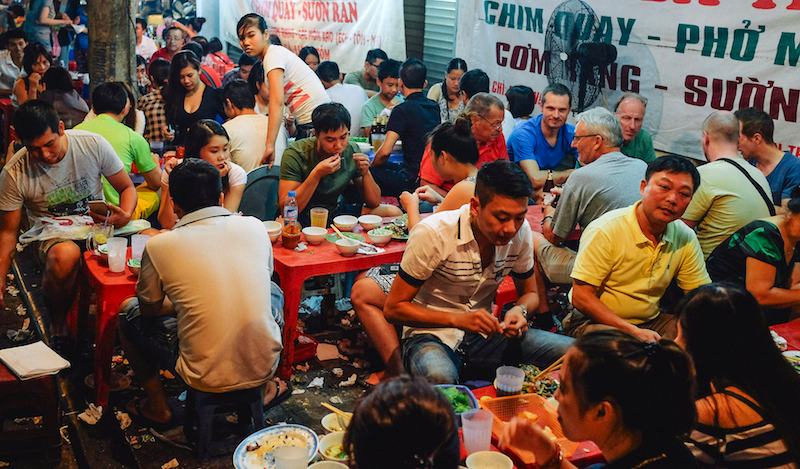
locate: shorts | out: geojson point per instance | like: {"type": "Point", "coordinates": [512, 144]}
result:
{"type": "Point", "coordinates": [147, 201]}
{"type": "Point", "coordinates": [383, 279]}
{"type": "Point", "coordinates": [556, 261]}
{"type": "Point", "coordinates": [43, 247]}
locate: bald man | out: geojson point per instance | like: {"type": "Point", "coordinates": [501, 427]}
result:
{"type": "Point", "coordinates": [726, 199]}
{"type": "Point", "coordinates": [636, 141]}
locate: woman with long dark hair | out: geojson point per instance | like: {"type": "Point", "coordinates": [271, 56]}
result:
{"type": "Point", "coordinates": [59, 92]}
{"type": "Point", "coordinates": [188, 99]}
{"type": "Point", "coordinates": [447, 93]}
{"type": "Point", "coordinates": [310, 55]}
{"type": "Point", "coordinates": [633, 399]}
{"type": "Point", "coordinates": [208, 140]}
{"type": "Point", "coordinates": [35, 61]}
{"type": "Point", "coordinates": [747, 393]}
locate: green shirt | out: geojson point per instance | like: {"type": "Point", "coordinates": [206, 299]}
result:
{"type": "Point", "coordinates": [357, 78]}
{"type": "Point", "coordinates": [640, 147]}
{"type": "Point", "coordinates": [300, 158]}
{"type": "Point", "coordinates": [129, 146]}
{"type": "Point", "coordinates": [373, 107]}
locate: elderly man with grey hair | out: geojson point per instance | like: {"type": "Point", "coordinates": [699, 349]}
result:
{"type": "Point", "coordinates": [733, 192]}
{"type": "Point", "coordinates": [637, 142]}
{"type": "Point", "coordinates": [606, 180]}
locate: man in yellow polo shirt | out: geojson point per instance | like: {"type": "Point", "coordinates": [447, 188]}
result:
{"type": "Point", "coordinates": [629, 256]}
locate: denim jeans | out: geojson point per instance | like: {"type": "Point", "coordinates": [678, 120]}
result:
{"type": "Point", "coordinates": [476, 357]}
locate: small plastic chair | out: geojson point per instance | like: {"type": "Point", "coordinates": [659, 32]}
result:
{"type": "Point", "coordinates": [260, 197]}
{"type": "Point", "coordinates": [202, 406]}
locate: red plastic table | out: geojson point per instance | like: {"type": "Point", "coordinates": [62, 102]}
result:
{"type": "Point", "coordinates": [111, 289]}
{"type": "Point", "coordinates": [789, 331]}
{"type": "Point", "coordinates": [295, 267]}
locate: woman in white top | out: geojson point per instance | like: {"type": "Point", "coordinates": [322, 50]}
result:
{"type": "Point", "coordinates": [448, 93]}
{"type": "Point", "coordinates": [291, 81]}
{"type": "Point", "coordinates": [206, 139]}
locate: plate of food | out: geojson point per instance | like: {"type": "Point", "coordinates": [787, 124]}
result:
{"type": "Point", "coordinates": [399, 228]}
{"type": "Point", "coordinates": [255, 451]}
{"type": "Point", "coordinates": [544, 387]}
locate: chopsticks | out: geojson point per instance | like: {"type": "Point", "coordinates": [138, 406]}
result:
{"type": "Point", "coordinates": [337, 411]}
{"type": "Point", "coordinates": [555, 366]}
{"type": "Point", "coordinates": [362, 243]}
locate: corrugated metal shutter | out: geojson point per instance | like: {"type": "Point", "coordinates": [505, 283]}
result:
{"type": "Point", "coordinates": [440, 36]}
{"type": "Point", "coordinates": [414, 17]}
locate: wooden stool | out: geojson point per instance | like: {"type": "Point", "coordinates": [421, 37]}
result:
{"type": "Point", "coordinates": [202, 406]}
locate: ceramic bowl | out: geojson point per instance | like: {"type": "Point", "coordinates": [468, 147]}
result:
{"type": "Point", "coordinates": [274, 229]}
{"type": "Point", "coordinates": [328, 446]}
{"type": "Point", "coordinates": [135, 265]}
{"type": "Point", "coordinates": [380, 236]}
{"type": "Point", "coordinates": [333, 423]}
{"type": "Point", "coordinates": [370, 222]}
{"type": "Point", "coordinates": [489, 460]}
{"type": "Point", "coordinates": [346, 247]}
{"type": "Point", "coordinates": [314, 234]}
{"type": "Point", "coordinates": [345, 222]}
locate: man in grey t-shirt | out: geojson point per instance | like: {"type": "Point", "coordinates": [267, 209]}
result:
{"type": "Point", "coordinates": [607, 180]}
{"type": "Point", "coordinates": [57, 174]}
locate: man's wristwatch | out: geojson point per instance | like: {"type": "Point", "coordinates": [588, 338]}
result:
{"type": "Point", "coordinates": [524, 310]}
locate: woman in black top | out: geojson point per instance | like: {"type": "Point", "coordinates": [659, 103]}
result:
{"type": "Point", "coordinates": [633, 399]}
{"type": "Point", "coordinates": [188, 99]}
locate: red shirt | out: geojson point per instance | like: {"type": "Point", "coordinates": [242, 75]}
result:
{"type": "Point", "coordinates": [494, 150]}
{"type": "Point", "coordinates": [162, 53]}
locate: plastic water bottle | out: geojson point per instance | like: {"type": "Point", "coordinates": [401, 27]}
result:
{"type": "Point", "coordinates": [290, 210]}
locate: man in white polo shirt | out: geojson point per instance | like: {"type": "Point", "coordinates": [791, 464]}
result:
{"type": "Point", "coordinates": [450, 271]}
{"type": "Point", "coordinates": [216, 328]}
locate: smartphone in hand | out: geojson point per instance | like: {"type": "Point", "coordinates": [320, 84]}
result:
{"type": "Point", "coordinates": [99, 207]}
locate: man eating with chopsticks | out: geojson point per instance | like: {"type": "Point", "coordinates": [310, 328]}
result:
{"type": "Point", "coordinates": [450, 272]}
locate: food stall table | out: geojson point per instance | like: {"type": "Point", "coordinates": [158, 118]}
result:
{"type": "Point", "coordinates": [293, 268]}
{"type": "Point", "coordinates": [111, 289]}
{"type": "Point", "coordinates": [789, 331]}
{"type": "Point", "coordinates": [585, 454]}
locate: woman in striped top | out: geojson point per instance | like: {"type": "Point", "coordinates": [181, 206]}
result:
{"type": "Point", "coordinates": [748, 413]}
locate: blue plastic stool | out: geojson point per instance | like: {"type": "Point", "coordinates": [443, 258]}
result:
{"type": "Point", "coordinates": [202, 406]}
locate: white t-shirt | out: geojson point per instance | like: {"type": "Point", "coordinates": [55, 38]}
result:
{"type": "Point", "coordinates": [236, 176]}
{"type": "Point", "coordinates": [147, 48]}
{"type": "Point", "coordinates": [60, 189]}
{"type": "Point", "coordinates": [352, 97]}
{"type": "Point", "coordinates": [9, 72]}
{"type": "Point", "coordinates": [227, 336]}
{"type": "Point", "coordinates": [248, 134]}
{"type": "Point", "coordinates": [508, 124]}
{"type": "Point", "coordinates": [303, 91]}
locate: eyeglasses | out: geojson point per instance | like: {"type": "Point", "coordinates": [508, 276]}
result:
{"type": "Point", "coordinates": [576, 137]}
{"type": "Point", "coordinates": [494, 125]}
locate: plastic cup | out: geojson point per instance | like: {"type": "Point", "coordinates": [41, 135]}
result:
{"type": "Point", "coordinates": [477, 426]}
{"type": "Point", "coordinates": [508, 380]}
{"type": "Point", "coordinates": [117, 248]}
{"type": "Point", "coordinates": [489, 460]}
{"type": "Point", "coordinates": [319, 217]}
{"type": "Point", "coordinates": [291, 457]}
{"type": "Point", "coordinates": [137, 245]}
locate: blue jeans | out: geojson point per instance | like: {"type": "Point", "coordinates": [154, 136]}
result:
{"type": "Point", "coordinates": [478, 358]}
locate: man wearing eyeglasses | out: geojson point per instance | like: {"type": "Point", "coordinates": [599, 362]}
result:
{"type": "Point", "coordinates": [368, 78]}
{"type": "Point", "coordinates": [543, 143]}
{"type": "Point", "coordinates": [606, 180]}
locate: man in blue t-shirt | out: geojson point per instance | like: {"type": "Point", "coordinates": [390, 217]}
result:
{"type": "Point", "coordinates": [757, 145]}
{"type": "Point", "coordinates": [544, 142]}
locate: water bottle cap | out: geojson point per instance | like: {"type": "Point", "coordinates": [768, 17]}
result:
{"type": "Point", "coordinates": [292, 194]}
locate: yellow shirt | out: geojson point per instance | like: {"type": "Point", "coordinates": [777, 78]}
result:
{"type": "Point", "coordinates": [631, 273]}
{"type": "Point", "coordinates": [725, 201]}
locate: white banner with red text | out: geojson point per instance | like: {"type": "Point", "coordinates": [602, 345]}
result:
{"type": "Point", "coordinates": [342, 31]}
{"type": "Point", "coordinates": [687, 57]}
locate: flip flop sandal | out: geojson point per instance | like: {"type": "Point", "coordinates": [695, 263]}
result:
{"type": "Point", "coordinates": [137, 415]}
{"type": "Point", "coordinates": [280, 397]}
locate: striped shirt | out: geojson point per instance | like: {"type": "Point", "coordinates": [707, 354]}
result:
{"type": "Point", "coordinates": [443, 259]}
{"type": "Point", "coordinates": [756, 444]}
